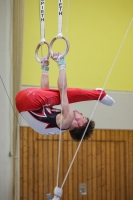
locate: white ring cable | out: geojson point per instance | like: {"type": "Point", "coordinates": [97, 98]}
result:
{"type": "Point", "coordinates": [60, 8]}
{"type": "Point", "coordinates": [97, 101]}
{"type": "Point", "coordinates": [42, 18]}
{"type": "Point", "coordinates": [60, 32]}
{"type": "Point", "coordinates": [60, 137]}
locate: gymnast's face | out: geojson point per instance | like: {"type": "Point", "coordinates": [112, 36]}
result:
{"type": "Point", "coordinates": [80, 120]}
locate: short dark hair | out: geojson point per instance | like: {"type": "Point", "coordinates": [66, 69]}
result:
{"type": "Point", "coordinates": [77, 133]}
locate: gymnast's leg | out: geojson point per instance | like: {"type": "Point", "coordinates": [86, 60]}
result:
{"type": "Point", "coordinates": [78, 95]}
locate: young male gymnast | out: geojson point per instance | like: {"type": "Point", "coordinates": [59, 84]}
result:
{"type": "Point", "coordinates": [36, 104]}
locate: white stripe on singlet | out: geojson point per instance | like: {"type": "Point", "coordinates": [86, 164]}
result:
{"type": "Point", "coordinates": [39, 126]}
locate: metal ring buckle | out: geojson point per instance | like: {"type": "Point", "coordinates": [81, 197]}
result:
{"type": "Point", "coordinates": [67, 45]}
{"type": "Point", "coordinates": [37, 48]}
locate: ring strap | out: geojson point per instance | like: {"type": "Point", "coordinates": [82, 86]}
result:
{"type": "Point", "coordinates": [42, 28]}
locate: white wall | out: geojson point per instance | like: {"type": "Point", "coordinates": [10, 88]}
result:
{"type": "Point", "coordinates": [6, 161]}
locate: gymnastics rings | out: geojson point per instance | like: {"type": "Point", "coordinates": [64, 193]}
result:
{"type": "Point", "coordinates": [43, 41]}
{"type": "Point", "coordinates": [67, 45]}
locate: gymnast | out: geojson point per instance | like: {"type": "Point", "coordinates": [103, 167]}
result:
{"type": "Point", "coordinates": [36, 104]}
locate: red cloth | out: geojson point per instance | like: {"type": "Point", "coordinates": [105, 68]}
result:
{"type": "Point", "coordinates": [34, 98]}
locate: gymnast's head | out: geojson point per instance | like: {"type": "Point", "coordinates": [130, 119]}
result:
{"type": "Point", "coordinates": [78, 127]}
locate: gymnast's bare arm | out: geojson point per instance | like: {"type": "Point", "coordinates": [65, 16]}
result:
{"type": "Point", "coordinates": [67, 112]}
